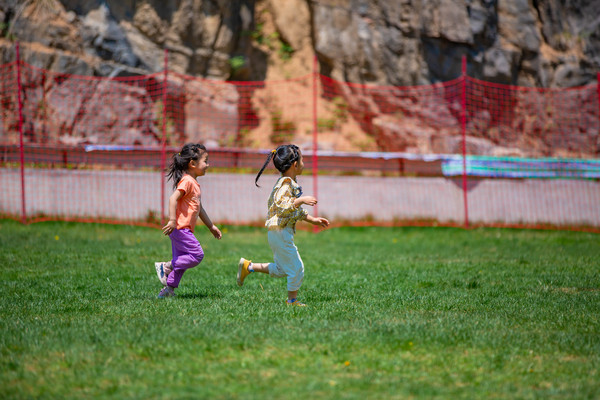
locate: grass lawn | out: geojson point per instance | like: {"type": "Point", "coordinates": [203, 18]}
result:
{"type": "Point", "coordinates": [394, 313]}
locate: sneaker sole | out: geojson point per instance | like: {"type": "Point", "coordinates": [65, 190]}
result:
{"type": "Point", "coordinates": [159, 269]}
{"type": "Point", "coordinates": [239, 273]}
{"type": "Point", "coordinates": [295, 304]}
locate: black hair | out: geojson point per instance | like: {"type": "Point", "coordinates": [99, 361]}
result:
{"type": "Point", "coordinates": [181, 161]}
{"type": "Point", "coordinates": [283, 158]}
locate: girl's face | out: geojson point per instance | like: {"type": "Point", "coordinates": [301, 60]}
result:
{"type": "Point", "coordinates": [299, 165]}
{"type": "Point", "coordinates": [198, 168]}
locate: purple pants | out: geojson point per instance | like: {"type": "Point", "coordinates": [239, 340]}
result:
{"type": "Point", "coordinates": [187, 253]}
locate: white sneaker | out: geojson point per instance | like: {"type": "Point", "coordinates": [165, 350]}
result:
{"type": "Point", "coordinates": [160, 271]}
{"type": "Point", "coordinates": [167, 291]}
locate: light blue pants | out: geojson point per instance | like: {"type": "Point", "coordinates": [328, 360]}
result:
{"type": "Point", "coordinates": [287, 260]}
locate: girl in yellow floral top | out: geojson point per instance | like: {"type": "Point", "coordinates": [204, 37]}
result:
{"type": "Point", "coordinates": [284, 211]}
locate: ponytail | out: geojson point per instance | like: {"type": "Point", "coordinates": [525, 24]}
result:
{"type": "Point", "coordinates": [271, 154]}
{"type": "Point", "coordinates": [283, 158]}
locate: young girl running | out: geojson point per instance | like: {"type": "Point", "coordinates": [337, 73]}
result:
{"type": "Point", "coordinates": [284, 211]}
{"type": "Point", "coordinates": [185, 207]}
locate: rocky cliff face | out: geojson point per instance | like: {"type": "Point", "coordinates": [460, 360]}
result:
{"type": "Point", "coordinates": [528, 43]}
{"type": "Point", "coordinates": [547, 43]}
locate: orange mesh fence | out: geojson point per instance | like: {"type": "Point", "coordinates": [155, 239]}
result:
{"type": "Point", "coordinates": [463, 152]}
{"type": "Point", "coordinates": [533, 154]}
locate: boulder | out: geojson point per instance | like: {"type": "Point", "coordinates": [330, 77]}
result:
{"type": "Point", "coordinates": [65, 101]}
{"type": "Point", "coordinates": [211, 112]}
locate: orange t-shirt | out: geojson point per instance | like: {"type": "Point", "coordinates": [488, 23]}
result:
{"type": "Point", "coordinates": [188, 206]}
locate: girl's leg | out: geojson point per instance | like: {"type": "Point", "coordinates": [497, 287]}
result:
{"type": "Point", "coordinates": [187, 253]}
{"type": "Point", "coordinates": [264, 268]}
{"type": "Point", "coordinates": [246, 267]}
{"type": "Point", "coordinates": [175, 252]}
{"type": "Point", "coordinates": [260, 267]}
{"type": "Point", "coordinates": [287, 260]}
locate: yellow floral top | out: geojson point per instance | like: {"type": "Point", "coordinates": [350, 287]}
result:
{"type": "Point", "coordinates": [282, 212]}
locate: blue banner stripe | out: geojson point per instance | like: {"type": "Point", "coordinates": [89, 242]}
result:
{"type": "Point", "coordinates": [514, 167]}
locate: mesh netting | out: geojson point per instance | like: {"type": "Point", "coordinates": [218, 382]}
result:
{"type": "Point", "coordinates": [454, 153]}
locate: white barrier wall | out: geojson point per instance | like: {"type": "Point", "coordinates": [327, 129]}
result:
{"type": "Point", "coordinates": [134, 195]}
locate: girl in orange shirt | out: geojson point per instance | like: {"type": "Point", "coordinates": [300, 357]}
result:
{"type": "Point", "coordinates": [185, 207]}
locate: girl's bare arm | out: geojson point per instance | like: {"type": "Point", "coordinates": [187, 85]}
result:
{"type": "Point", "coordinates": [206, 220]}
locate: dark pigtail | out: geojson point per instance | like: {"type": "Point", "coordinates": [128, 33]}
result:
{"type": "Point", "coordinates": [283, 158]}
{"type": "Point", "coordinates": [271, 153]}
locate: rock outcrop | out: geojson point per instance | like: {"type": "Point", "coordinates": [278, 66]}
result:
{"type": "Point", "coordinates": [406, 42]}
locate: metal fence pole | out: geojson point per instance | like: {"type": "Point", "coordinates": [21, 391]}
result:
{"type": "Point", "coordinates": [463, 122]}
{"type": "Point", "coordinates": [163, 150]}
{"type": "Point", "coordinates": [21, 150]}
{"type": "Point", "coordinates": [315, 165]}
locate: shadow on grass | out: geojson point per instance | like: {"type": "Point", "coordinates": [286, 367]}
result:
{"type": "Point", "coordinates": [198, 296]}
{"type": "Point", "coordinates": [187, 296]}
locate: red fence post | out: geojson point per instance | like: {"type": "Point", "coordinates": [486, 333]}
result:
{"type": "Point", "coordinates": [315, 165]}
{"type": "Point", "coordinates": [598, 87]}
{"type": "Point", "coordinates": [463, 123]}
{"type": "Point", "coordinates": [21, 150]}
{"type": "Point", "coordinates": [163, 150]}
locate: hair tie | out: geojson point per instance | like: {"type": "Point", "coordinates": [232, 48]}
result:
{"type": "Point", "coordinates": [274, 151]}
{"type": "Point", "coordinates": [179, 153]}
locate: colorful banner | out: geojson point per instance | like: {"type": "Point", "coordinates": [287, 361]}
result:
{"type": "Point", "coordinates": [515, 167]}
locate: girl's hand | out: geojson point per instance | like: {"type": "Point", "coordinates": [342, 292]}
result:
{"type": "Point", "coordinates": [216, 232]}
{"type": "Point", "coordinates": [308, 200]}
{"type": "Point", "coordinates": [323, 222]}
{"type": "Point", "coordinates": [169, 227]}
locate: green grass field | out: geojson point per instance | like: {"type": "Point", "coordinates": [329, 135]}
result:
{"type": "Point", "coordinates": [394, 313]}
